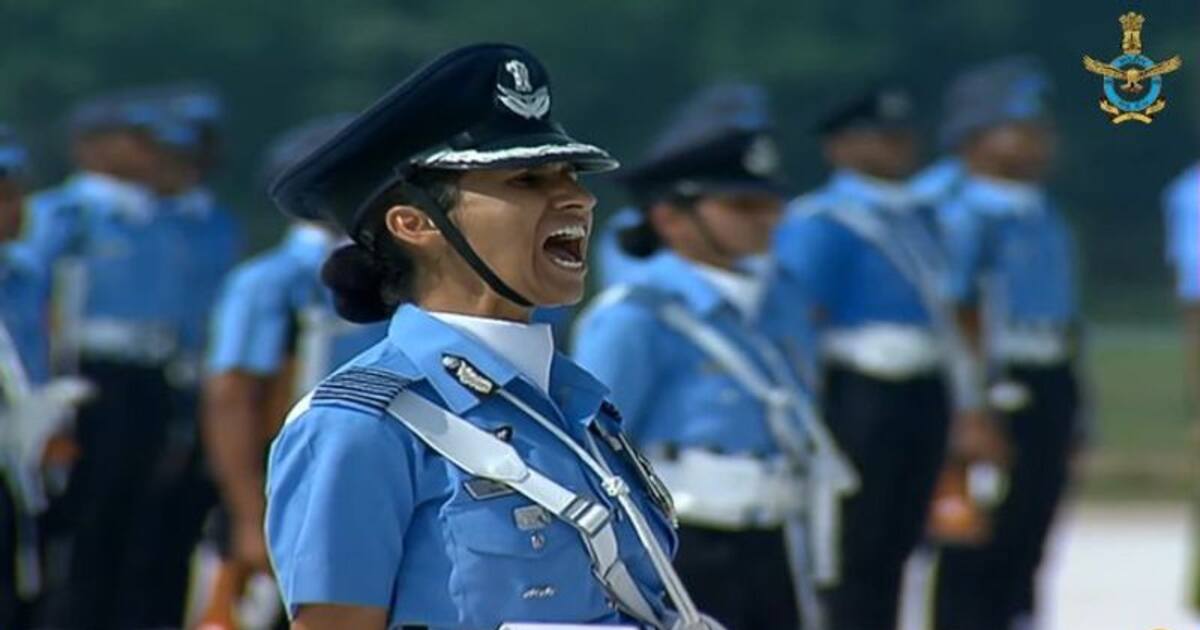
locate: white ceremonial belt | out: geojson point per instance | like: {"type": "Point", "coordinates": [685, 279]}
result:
{"type": "Point", "coordinates": [1041, 347]}
{"type": "Point", "coordinates": [884, 351]}
{"type": "Point", "coordinates": [127, 342]}
{"type": "Point", "coordinates": [734, 492]}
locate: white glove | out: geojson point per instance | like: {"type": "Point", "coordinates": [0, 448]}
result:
{"type": "Point", "coordinates": [29, 423]}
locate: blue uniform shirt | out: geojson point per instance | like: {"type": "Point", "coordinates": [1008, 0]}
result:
{"type": "Point", "coordinates": [845, 275]}
{"type": "Point", "coordinates": [24, 290]}
{"type": "Point", "coordinates": [361, 512]}
{"type": "Point", "coordinates": [254, 321]}
{"type": "Point", "coordinates": [1011, 238]}
{"type": "Point", "coordinates": [1181, 206]}
{"type": "Point", "coordinates": [204, 243]}
{"type": "Point", "coordinates": [669, 390]}
{"type": "Point", "coordinates": [145, 260]}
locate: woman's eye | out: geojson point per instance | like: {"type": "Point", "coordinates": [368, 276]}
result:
{"type": "Point", "coordinates": [527, 180]}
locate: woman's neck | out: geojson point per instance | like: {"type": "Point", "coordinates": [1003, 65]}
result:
{"type": "Point", "coordinates": [446, 295]}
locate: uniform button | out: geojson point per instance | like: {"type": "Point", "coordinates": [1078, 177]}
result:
{"type": "Point", "coordinates": [537, 541]}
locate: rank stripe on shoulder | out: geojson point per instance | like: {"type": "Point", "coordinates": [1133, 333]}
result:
{"type": "Point", "coordinates": [372, 389]}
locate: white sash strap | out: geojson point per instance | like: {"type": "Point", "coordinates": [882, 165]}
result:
{"type": "Point", "coordinates": [912, 261]}
{"type": "Point", "coordinates": [831, 476]}
{"type": "Point", "coordinates": [484, 455]}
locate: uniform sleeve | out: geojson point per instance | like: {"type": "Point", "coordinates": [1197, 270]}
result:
{"type": "Point", "coordinates": [53, 227]}
{"type": "Point", "coordinates": [615, 342]}
{"type": "Point", "coordinates": [1182, 213]}
{"type": "Point", "coordinates": [807, 250]}
{"type": "Point", "coordinates": [249, 326]}
{"type": "Point", "coordinates": [339, 501]}
{"type": "Point", "coordinates": [967, 249]}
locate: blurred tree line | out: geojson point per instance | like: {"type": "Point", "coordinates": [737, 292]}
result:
{"type": "Point", "coordinates": [620, 67]}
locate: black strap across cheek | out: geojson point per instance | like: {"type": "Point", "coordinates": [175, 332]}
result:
{"type": "Point", "coordinates": [458, 241]}
{"type": "Point", "coordinates": [708, 235]}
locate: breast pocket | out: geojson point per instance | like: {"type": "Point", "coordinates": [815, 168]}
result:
{"type": "Point", "coordinates": [514, 561]}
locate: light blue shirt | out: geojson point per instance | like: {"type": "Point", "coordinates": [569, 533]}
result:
{"type": "Point", "coordinates": [254, 324]}
{"type": "Point", "coordinates": [846, 276]}
{"type": "Point", "coordinates": [24, 288]}
{"type": "Point", "coordinates": [1181, 206]}
{"type": "Point", "coordinates": [1010, 247]}
{"type": "Point", "coordinates": [669, 390]}
{"type": "Point", "coordinates": [146, 260]}
{"type": "Point", "coordinates": [361, 512]}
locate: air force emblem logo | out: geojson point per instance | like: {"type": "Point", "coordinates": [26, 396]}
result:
{"type": "Point", "coordinates": [522, 99]}
{"type": "Point", "coordinates": [1125, 96]}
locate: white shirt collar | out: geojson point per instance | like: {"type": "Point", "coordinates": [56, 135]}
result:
{"type": "Point", "coordinates": [743, 291]}
{"type": "Point", "coordinates": [528, 347]}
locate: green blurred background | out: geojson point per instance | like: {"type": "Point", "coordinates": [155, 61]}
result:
{"type": "Point", "coordinates": [620, 67]}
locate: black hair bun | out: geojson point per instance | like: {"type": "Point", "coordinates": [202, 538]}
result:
{"type": "Point", "coordinates": [357, 284]}
{"type": "Point", "coordinates": [640, 240]}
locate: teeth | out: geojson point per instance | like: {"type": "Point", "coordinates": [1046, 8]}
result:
{"type": "Point", "coordinates": [570, 231]}
{"type": "Point", "coordinates": [567, 264]}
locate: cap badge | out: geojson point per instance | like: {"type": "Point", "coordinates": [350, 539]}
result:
{"type": "Point", "coordinates": [894, 105]}
{"type": "Point", "coordinates": [762, 157]}
{"type": "Point", "coordinates": [521, 99]}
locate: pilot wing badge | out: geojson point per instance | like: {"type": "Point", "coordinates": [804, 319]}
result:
{"type": "Point", "coordinates": [1133, 83]}
{"type": "Point", "coordinates": [522, 99]}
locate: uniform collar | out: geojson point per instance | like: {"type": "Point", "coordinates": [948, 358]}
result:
{"type": "Point", "coordinates": [743, 291]}
{"type": "Point", "coordinates": [106, 193]}
{"type": "Point", "coordinates": [1004, 197]}
{"type": "Point", "coordinates": [426, 341]}
{"type": "Point", "coordinates": [196, 203]}
{"type": "Point", "coordinates": [681, 277]}
{"type": "Point", "coordinates": [896, 196]}
{"type": "Point", "coordinates": [528, 347]}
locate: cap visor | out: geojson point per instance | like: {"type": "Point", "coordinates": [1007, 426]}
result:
{"type": "Point", "coordinates": [522, 152]}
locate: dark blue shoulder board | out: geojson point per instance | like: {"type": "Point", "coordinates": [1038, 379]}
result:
{"type": "Point", "coordinates": [369, 389]}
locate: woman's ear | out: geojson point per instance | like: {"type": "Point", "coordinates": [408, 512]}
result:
{"type": "Point", "coordinates": [411, 226]}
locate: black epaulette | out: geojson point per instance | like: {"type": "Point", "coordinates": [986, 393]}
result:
{"type": "Point", "coordinates": [611, 409]}
{"type": "Point", "coordinates": [370, 389]}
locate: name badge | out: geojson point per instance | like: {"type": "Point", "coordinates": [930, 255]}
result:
{"type": "Point", "coordinates": [481, 489]}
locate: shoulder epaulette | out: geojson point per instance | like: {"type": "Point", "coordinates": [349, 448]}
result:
{"type": "Point", "coordinates": [370, 389]}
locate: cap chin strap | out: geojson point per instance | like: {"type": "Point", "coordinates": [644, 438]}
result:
{"type": "Point", "coordinates": [709, 237]}
{"type": "Point", "coordinates": [441, 219]}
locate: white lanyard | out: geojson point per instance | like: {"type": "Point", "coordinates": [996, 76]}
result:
{"type": "Point", "coordinates": [616, 487]}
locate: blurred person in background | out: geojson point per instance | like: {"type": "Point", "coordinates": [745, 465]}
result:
{"type": "Point", "coordinates": [1181, 208]}
{"type": "Point", "coordinates": [275, 335]}
{"type": "Point", "coordinates": [130, 289]}
{"type": "Point", "coordinates": [868, 255]}
{"type": "Point", "coordinates": [1014, 281]}
{"type": "Point", "coordinates": [702, 352]}
{"type": "Point", "coordinates": [204, 243]}
{"type": "Point", "coordinates": [33, 407]}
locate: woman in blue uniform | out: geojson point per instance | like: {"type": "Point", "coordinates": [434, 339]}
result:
{"type": "Point", "coordinates": [461, 474]}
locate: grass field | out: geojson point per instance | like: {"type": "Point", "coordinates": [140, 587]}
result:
{"type": "Point", "coordinates": [1141, 446]}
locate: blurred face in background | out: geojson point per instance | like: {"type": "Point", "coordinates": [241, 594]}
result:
{"type": "Point", "coordinates": [882, 153]}
{"type": "Point", "coordinates": [12, 195]}
{"type": "Point", "coordinates": [719, 229]}
{"type": "Point", "coordinates": [1021, 151]}
{"type": "Point", "coordinates": [127, 154]}
{"type": "Point", "coordinates": [175, 171]}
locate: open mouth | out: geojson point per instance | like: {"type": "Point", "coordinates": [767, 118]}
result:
{"type": "Point", "coordinates": [564, 247]}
